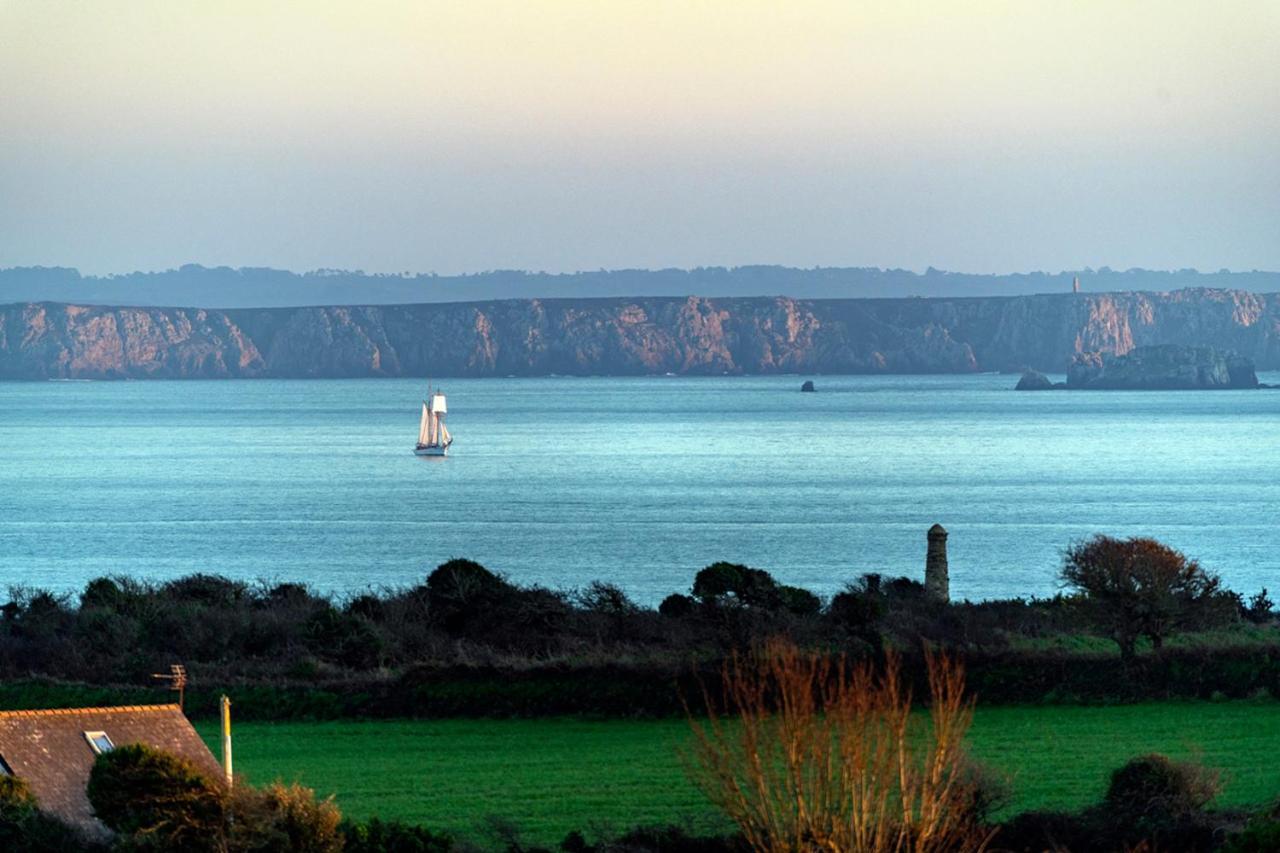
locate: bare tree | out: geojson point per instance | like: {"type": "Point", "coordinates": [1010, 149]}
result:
{"type": "Point", "coordinates": [819, 755]}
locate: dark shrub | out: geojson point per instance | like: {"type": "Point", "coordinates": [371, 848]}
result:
{"type": "Point", "coordinates": [1051, 832]}
{"type": "Point", "coordinates": [458, 589]}
{"type": "Point", "coordinates": [857, 609]}
{"type": "Point", "coordinates": [39, 614]}
{"type": "Point", "coordinates": [1260, 608]}
{"type": "Point", "coordinates": [209, 590]}
{"type": "Point", "coordinates": [656, 839]}
{"type": "Point", "coordinates": [903, 588]}
{"type": "Point", "coordinates": [104, 593]}
{"type": "Point", "coordinates": [26, 829]}
{"type": "Point", "coordinates": [369, 606]}
{"type": "Point", "coordinates": [379, 836]}
{"type": "Point", "coordinates": [1158, 802]}
{"type": "Point", "coordinates": [345, 638]}
{"type": "Point", "coordinates": [799, 601]}
{"type": "Point", "coordinates": [724, 584]}
{"type": "Point", "coordinates": [159, 800]}
{"type": "Point", "coordinates": [291, 595]}
{"type": "Point", "coordinates": [677, 606]}
{"type": "Point", "coordinates": [607, 598]}
{"type": "Point", "coordinates": [988, 791]}
{"type": "Point", "coordinates": [1153, 785]}
{"type": "Point", "coordinates": [1261, 835]}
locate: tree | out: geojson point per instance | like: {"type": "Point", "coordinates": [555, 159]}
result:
{"type": "Point", "coordinates": [1138, 587]}
{"type": "Point", "coordinates": [731, 584]}
{"type": "Point", "coordinates": [159, 801]}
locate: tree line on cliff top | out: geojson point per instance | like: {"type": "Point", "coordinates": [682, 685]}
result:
{"type": "Point", "coordinates": [194, 285]}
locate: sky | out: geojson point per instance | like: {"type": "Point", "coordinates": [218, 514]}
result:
{"type": "Point", "coordinates": [561, 135]}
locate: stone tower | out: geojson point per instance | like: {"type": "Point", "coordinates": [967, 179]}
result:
{"type": "Point", "coordinates": [936, 583]}
{"type": "Point", "coordinates": [1075, 284]}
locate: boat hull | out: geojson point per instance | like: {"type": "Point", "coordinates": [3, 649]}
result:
{"type": "Point", "coordinates": [431, 451]}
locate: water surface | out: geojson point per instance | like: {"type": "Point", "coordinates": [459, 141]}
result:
{"type": "Point", "coordinates": [640, 481]}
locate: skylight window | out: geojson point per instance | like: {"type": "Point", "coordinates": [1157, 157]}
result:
{"type": "Point", "coordinates": [5, 769]}
{"type": "Point", "coordinates": [99, 742]}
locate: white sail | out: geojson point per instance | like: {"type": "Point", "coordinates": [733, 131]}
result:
{"type": "Point", "coordinates": [433, 437]}
{"type": "Point", "coordinates": [424, 426]}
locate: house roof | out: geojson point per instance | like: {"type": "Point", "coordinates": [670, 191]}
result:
{"type": "Point", "coordinates": [48, 750]}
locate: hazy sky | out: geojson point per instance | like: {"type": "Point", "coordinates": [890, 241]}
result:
{"type": "Point", "coordinates": [561, 135]}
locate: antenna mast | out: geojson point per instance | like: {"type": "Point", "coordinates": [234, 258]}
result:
{"type": "Point", "coordinates": [177, 678]}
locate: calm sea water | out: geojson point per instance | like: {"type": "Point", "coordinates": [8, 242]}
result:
{"type": "Point", "coordinates": [639, 481]}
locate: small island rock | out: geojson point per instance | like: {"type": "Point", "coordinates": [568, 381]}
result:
{"type": "Point", "coordinates": [808, 386]}
{"type": "Point", "coordinates": [1164, 367]}
{"type": "Point", "coordinates": [1034, 380]}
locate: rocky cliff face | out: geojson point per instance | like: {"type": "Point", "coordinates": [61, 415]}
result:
{"type": "Point", "coordinates": [692, 335]}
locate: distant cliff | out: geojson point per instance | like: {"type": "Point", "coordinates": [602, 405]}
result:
{"type": "Point", "coordinates": [692, 335]}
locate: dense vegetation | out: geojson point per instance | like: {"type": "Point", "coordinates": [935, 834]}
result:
{"type": "Point", "coordinates": [468, 641]}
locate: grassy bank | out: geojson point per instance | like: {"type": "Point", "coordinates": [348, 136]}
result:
{"type": "Point", "coordinates": [554, 775]}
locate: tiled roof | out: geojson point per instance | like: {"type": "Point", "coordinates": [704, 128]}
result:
{"type": "Point", "coordinates": [48, 750]}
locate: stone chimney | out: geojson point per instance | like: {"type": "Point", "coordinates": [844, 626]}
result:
{"type": "Point", "coordinates": [936, 583]}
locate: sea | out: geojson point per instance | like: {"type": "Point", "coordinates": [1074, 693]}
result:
{"type": "Point", "coordinates": [639, 482]}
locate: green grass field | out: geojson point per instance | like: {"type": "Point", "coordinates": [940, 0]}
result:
{"type": "Point", "coordinates": [551, 776]}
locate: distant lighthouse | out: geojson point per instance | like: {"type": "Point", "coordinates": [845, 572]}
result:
{"type": "Point", "coordinates": [1075, 284]}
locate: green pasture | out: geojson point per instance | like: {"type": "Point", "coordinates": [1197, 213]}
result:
{"type": "Point", "coordinates": [551, 776]}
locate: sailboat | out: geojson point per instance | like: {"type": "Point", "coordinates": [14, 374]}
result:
{"type": "Point", "coordinates": [433, 437]}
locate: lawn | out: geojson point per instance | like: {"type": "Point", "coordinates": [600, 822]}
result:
{"type": "Point", "coordinates": [551, 776]}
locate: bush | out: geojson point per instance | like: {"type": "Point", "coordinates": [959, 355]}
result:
{"type": "Point", "coordinates": [1161, 803]}
{"type": "Point", "coordinates": [606, 598]}
{"type": "Point", "coordinates": [677, 606]}
{"type": "Point", "coordinates": [1156, 786]}
{"type": "Point", "coordinates": [157, 800]}
{"type": "Point", "coordinates": [799, 601]}
{"type": "Point", "coordinates": [16, 801]}
{"type": "Point", "coordinates": [379, 836]}
{"type": "Point", "coordinates": [283, 819]}
{"type": "Point", "coordinates": [1262, 835]}
{"type": "Point", "coordinates": [656, 839]}
{"type": "Point", "coordinates": [26, 829]}
{"type": "Point", "coordinates": [457, 589]}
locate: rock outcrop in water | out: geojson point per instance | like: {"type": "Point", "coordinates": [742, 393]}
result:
{"type": "Point", "coordinates": [653, 335]}
{"type": "Point", "coordinates": [1162, 368]}
{"type": "Point", "coordinates": [1034, 380]}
